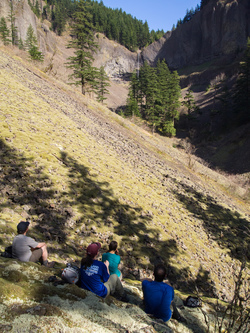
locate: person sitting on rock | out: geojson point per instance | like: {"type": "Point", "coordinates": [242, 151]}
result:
{"type": "Point", "coordinates": [26, 248]}
{"type": "Point", "coordinates": [95, 275]}
{"type": "Point", "coordinates": [158, 296]}
{"type": "Point", "coordinates": [113, 258]}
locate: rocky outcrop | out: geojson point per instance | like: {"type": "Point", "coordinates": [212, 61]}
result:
{"type": "Point", "coordinates": [116, 59]}
{"type": "Point", "coordinates": [219, 30]}
{"type": "Point", "coordinates": [23, 16]}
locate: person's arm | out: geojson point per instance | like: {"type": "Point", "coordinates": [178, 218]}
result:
{"type": "Point", "coordinates": [39, 245]}
{"type": "Point", "coordinates": [106, 263]}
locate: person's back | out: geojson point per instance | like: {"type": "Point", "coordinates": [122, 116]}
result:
{"type": "Point", "coordinates": [113, 258]}
{"type": "Point", "coordinates": [92, 276]}
{"type": "Point", "coordinates": [158, 295]}
{"type": "Point", "coordinates": [95, 275]}
{"type": "Point", "coordinates": [114, 261]}
{"type": "Point", "coordinates": [157, 298]}
{"type": "Point", "coordinates": [21, 247]}
{"type": "Point", "coordinates": [26, 248]}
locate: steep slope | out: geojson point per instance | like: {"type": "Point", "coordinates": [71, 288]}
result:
{"type": "Point", "coordinates": [80, 172]}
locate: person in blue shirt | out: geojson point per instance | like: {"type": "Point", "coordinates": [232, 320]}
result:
{"type": "Point", "coordinates": [158, 296]}
{"type": "Point", "coordinates": [113, 258]}
{"type": "Point", "coordinates": [95, 275]}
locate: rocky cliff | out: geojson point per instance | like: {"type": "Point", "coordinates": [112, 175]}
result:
{"type": "Point", "coordinates": [220, 29]}
{"type": "Point", "coordinates": [116, 59]}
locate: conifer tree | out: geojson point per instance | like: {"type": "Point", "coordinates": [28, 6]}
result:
{"type": "Point", "coordinates": [4, 31]}
{"type": "Point", "coordinates": [84, 44]}
{"type": "Point", "coordinates": [173, 104]}
{"type": "Point", "coordinates": [189, 102]}
{"type": "Point", "coordinates": [157, 91]}
{"type": "Point", "coordinates": [21, 44]}
{"type": "Point", "coordinates": [163, 76]}
{"type": "Point", "coordinates": [31, 44]}
{"type": "Point", "coordinates": [203, 3]}
{"type": "Point", "coordinates": [13, 28]}
{"type": "Point", "coordinates": [133, 97]}
{"type": "Point", "coordinates": [102, 84]}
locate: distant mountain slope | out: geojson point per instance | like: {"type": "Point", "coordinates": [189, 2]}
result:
{"type": "Point", "coordinates": [81, 173]}
{"type": "Point", "coordinates": [219, 30]}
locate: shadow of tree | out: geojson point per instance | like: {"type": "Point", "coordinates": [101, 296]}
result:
{"type": "Point", "coordinates": [141, 246]}
{"type": "Point", "coordinates": [26, 189]}
{"type": "Point", "coordinates": [223, 225]}
{"type": "Point", "coordinates": [98, 205]}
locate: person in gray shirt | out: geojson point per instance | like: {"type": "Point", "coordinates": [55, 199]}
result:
{"type": "Point", "coordinates": [26, 248]}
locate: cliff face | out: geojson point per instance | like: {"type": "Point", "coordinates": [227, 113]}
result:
{"type": "Point", "coordinates": [219, 30]}
{"type": "Point", "coordinates": [116, 59]}
{"type": "Point", "coordinates": [23, 16]}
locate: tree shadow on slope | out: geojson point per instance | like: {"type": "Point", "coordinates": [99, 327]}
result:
{"type": "Point", "coordinates": [99, 208]}
{"type": "Point", "coordinates": [27, 190]}
{"type": "Point", "coordinates": [223, 225]}
{"type": "Point", "coordinates": [141, 246]}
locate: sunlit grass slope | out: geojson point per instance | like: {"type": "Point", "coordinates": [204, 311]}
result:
{"type": "Point", "coordinates": [80, 173]}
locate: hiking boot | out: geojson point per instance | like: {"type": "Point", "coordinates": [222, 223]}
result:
{"type": "Point", "coordinates": [180, 319]}
{"type": "Point", "coordinates": [124, 298]}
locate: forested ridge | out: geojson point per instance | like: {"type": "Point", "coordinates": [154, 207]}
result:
{"type": "Point", "coordinates": [114, 23]}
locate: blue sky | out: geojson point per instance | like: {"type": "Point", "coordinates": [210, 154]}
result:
{"type": "Point", "coordinates": [160, 14]}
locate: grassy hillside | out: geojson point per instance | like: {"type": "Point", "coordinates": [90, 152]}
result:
{"type": "Point", "coordinates": [80, 173]}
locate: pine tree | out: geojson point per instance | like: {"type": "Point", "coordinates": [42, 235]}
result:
{"type": "Point", "coordinates": [31, 44]}
{"type": "Point", "coordinates": [13, 28]}
{"type": "Point", "coordinates": [157, 91]}
{"type": "Point", "coordinates": [30, 38]}
{"type": "Point", "coordinates": [84, 44]}
{"type": "Point", "coordinates": [21, 44]}
{"type": "Point", "coordinates": [102, 84]}
{"type": "Point", "coordinates": [189, 102]}
{"type": "Point", "coordinates": [161, 105]}
{"type": "Point", "coordinates": [163, 75]}
{"type": "Point", "coordinates": [133, 97]}
{"type": "Point", "coordinates": [173, 104]}
{"type": "Point", "coordinates": [149, 92]}
{"type": "Point", "coordinates": [4, 31]}
{"type": "Point", "coordinates": [203, 3]}
{"type": "Point", "coordinates": [58, 20]}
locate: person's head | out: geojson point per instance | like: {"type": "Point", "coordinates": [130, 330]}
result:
{"type": "Point", "coordinates": [113, 246]}
{"type": "Point", "coordinates": [22, 227]}
{"type": "Point", "coordinates": [93, 249]}
{"type": "Point", "coordinates": [160, 272]}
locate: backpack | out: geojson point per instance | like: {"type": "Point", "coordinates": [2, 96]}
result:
{"type": "Point", "coordinates": [193, 302]}
{"type": "Point", "coordinates": [71, 274]}
{"type": "Point", "coordinates": [7, 252]}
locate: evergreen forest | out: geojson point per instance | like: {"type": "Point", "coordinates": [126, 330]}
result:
{"type": "Point", "coordinates": [114, 23]}
{"type": "Point", "coordinates": [154, 95]}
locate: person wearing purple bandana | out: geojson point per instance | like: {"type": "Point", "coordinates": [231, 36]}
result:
{"type": "Point", "coordinates": [95, 275]}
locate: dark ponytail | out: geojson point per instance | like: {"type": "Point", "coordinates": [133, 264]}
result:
{"type": "Point", "coordinates": [86, 262]}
